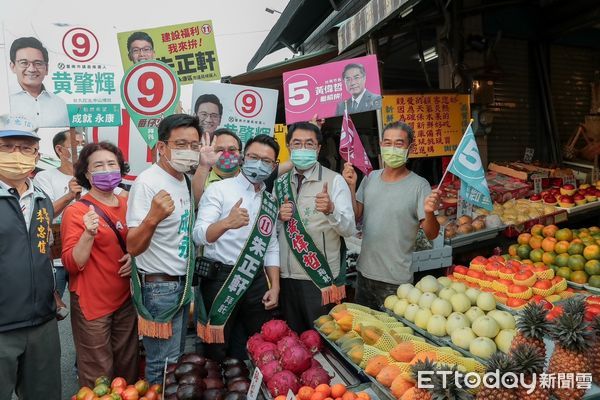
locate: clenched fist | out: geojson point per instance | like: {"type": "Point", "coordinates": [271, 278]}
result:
{"type": "Point", "coordinates": [91, 221]}
{"type": "Point", "coordinates": [74, 188]}
{"type": "Point", "coordinates": [349, 175]}
{"type": "Point", "coordinates": [286, 210]}
{"type": "Point", "coordinates": [323, 202]}
{"type": "Point", "coordinates": [162, 206]}
{"type": "Point", "coordinates": [238, 216]}
{"type": "Point", "coordinates": [432, 201]}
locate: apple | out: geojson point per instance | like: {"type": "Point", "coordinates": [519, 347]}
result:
{"type": "Point", "coordinates": [536, 198]}
{"type": "Point", "coordinates": [579, 199]}
{"type": "Point", "coordinates": [555, 192]}
{"type": "Point", "coordinates": [566, 201]}
{"type": "Point", "coordinates": [568, 189]}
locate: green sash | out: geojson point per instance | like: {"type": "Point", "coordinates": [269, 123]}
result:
{"type": "Point", "coordinates": [211, 326]}
{"type": "Point", "coordinates": [160, 326]}
{"type": "Point", "coordinates": [305, 251]}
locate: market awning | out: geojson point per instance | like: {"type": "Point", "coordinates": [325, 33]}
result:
{"type": "Point", "coordinates": [299, 19]}
{"type": "Point", "coordinates": [271, 75]}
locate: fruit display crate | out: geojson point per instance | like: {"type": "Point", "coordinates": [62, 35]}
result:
{"type": "Point", "coordinates": [383, 392]}
{"type": "Point", "coordinates": [575, 210]}
{"type": "Point", "coordinates": [591, 289]}
{"type": "Point", "coordinates": [426, 260]}
{"type": "Point", "coordinates": [468, 238]}
{"type": "Point", "coordinates": [592, 393]}
{"type": "Point", "coordinates": [512, 231]}
{"type": "Point", "coordinates": [442, 341]}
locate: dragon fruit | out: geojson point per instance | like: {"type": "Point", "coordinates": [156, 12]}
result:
{"type": "Point", "coordinates": [253, 342]}
{"type": "Point", "coordinates": [282, 382]}
{"type": "Point", "coordinates": [269, 369]}
{"type": "Point", "coordinates": [274, 330]}
{"type": "Point", "coordinates": [296, 359]}
{"type": "Point", "coordinates": [267, 356]}
{"type": "Point", "coordinates": [287, 342]}
{"type": "Point", "coordinates": [261, 348]}
{"type": "Point", "coordinates": [312, 340]}
{"type": "Point", "coordinates": [315, 376]}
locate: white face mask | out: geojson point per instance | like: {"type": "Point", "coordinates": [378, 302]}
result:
{"type": "Point", "coordinates": [184, 160]}
{"type": "Point", "coordinates": [79, 148]}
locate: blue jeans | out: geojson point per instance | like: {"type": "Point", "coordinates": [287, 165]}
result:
{"type": "Point", "coordinates": [61, 277]}
{"type": "Point", "coordinates": [158, 297]}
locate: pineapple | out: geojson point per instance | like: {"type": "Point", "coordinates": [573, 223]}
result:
{"type": "Point", "coordinates": [532, 325]}
{"type": "Point", "coordinates": [594, 352]}
{"type": "Point", "coordinates": [528, 362]}
{"type": "Point", "coordinates": [572, 339]}
{"type": "Point", "coordinates": [442, 389]}
{"type": "Point", "coordinates": [503, 363]}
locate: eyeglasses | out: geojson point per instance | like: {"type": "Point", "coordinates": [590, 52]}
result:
{"type": "Point", "coordinates": [254, 157]}
{"type": "Point", "coordinates": [231, 149]}
{"type": "Point", "coordinates": [305, 145]}
{"type": "Point", "coordinates": [184, 144]}
{"type": "Point", "coordinates": [9, 148]}
{"type": "Point", "coordinates": [137, 50]}
{"type": "Point", "coordinates": [205, 115]}
{"type": "Point", "coordinates": [37, 64]}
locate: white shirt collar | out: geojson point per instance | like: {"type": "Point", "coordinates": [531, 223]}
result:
{"type": "Point", "coordinates": [359, 98]}
{"type": "Point", "coordinates": [44, 92]}
{"type": "Point", "coordinates": [28, 192]}
{"type": "Point", "coordinates": [246, 184]}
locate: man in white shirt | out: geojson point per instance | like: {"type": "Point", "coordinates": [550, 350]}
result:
{"type": "Point", "coordinates": [316, 214]}
{"type": "Point", "coordinates": [236, 223]}
{"type": "Point", "coordinates": [361, 99]}
{"type": "Point", "coordinates": [159, 217]}
{"type": "Point", "coordinates": [62, 188]}
{"type": "Point", "coordinates": [29, 62]}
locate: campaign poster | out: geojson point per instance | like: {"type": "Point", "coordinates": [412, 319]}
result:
{"type": "Point", "coordinates": [60, 75]}
{"type": "Point", "coordinates": [328, 90]}
{"type": "Point", "coordinates": [188, 48]}
{"type": "Point", "coordinates": [246, 110]}
{"type": "Point", "coordinates": [438, 119]}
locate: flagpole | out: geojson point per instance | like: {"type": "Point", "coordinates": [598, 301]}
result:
{"type": "Point", "coordinates": [346, 116]}
{"type": "Point", "coordinates": [453, 155]}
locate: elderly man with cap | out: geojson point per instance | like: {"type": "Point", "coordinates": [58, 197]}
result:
{"type": "Point", "coordinates": [29, 343]}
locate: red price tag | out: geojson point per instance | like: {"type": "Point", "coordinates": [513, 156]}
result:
{"type": "Point", "coordinates": [248, 103]}
{"type": "Point", "coordinates": [80, 44]}
{"type": "Point", "coordinates": [150, 88]}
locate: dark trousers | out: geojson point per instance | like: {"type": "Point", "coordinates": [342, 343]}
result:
{"type": "Point", "coordinates": [372, 293]}
{"type": "Point", "coordinates": [301, 303]}
{"type": "Point", "coordinates": [30, 362]}
{"type": "Point", "coordinates": [105, 346]}
{"type": "Point", "coordinates": [246, 319]}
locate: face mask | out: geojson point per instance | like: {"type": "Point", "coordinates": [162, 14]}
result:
{"type": "Point", "coordinates": [79, 148]}
{"type": "Point", "coordinates": [228, 163]}
{"type": "Point", "coordinates": [184, 160]}
{"type": "Point", "coordinates": [15, 165]}
{"type": "Point", "coordinates": [394, 157]}
{"type": "Point", "coordinates": [256, 170]}
{"type": "Point", "coordinates": [106, 180]}
{"type": "Point", "coordinates": [303, 158]}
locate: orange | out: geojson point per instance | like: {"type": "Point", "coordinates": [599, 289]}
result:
{"type": "Point", "coordinates": [548, 258]}
{"type": "Point", "coordinates": [561, 247]}
{"type": "Point", "coordinates": [549, 243]}
{"type": "Point", "coordinates": [512, 249]}
{"type": "Point", "coordinates": [592, 252]}
{"type": "Point", "coordinates": [536, 255]}
{"type": "Point", "coordinates": [324, 388]}
{"type": "Point", "coordinates": [576, 262]}
{"type": "Point", "coordinates": [280, 397]}
{"type": "Point", "coordinates": [564, 234]}
{"type": "Point", "coordinates": [579, 277]}
{"type": "Point", "coordinates": [537, 229]}
{"type": "Point", "coordinates": [305, 393]}
{"type": "Point", "coordinates": [363, 396]}
{"type": "Point", "coordinates": [575, 248]}
{"type": "Point", "coordinates": [318, 396]}
{"type": "Point", "coordinates": [349, 396]}
{"type": "Point", "coordinates": [536, 242]}
{"type": "Point", "coordinates": [338, 390]}
{"type": "Point", "coordinates": [549, 231]}
{"type": "Point", "coordinates": [524, 238]}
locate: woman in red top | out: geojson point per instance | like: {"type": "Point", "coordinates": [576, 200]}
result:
{"type": "Point", "coordinates": [103, 318]}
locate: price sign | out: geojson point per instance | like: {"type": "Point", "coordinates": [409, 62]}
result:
{"type": "Point", "coordinates": [569, 179]}
{"type": "Point", "coordinates": [150, 91]}
{"type": "Point", "coordinates": [257, 378]}
{"type": "Point", "coordinates": [80, 44]}
{"type": "Point", "coordinates": [528, 156]}
{"type": "Point", "coordinates": [290, 395]}
{"type": "Point", "coordinates": [537, 183]}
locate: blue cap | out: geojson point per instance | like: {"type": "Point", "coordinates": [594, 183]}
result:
{"type": "Point", "coordinates": [17, 127]}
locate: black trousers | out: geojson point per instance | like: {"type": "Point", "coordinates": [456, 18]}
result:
{"type": "Point", "coordinates": [372, 293]}
{"type": "Point", "coordinates": [246, 319]}
{"type": "Point", "coordinates": [300, 302]}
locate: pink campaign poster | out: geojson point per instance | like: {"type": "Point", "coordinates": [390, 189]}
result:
{"type": "Point", "coordinates": [326, 90]}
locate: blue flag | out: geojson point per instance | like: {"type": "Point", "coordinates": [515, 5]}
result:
{"type": "Point", "coordinates": [466, 165]}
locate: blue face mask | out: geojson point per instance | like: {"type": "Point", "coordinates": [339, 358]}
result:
{"type": "Point", "coordinates": [256, 170]}
{"type": "Point", "coordinates": [303, 159]}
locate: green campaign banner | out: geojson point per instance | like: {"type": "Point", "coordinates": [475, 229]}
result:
{"type": "Point", "coordinates": [150, 91]}
{"type": "Point", "coordinates": [188, 48]}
